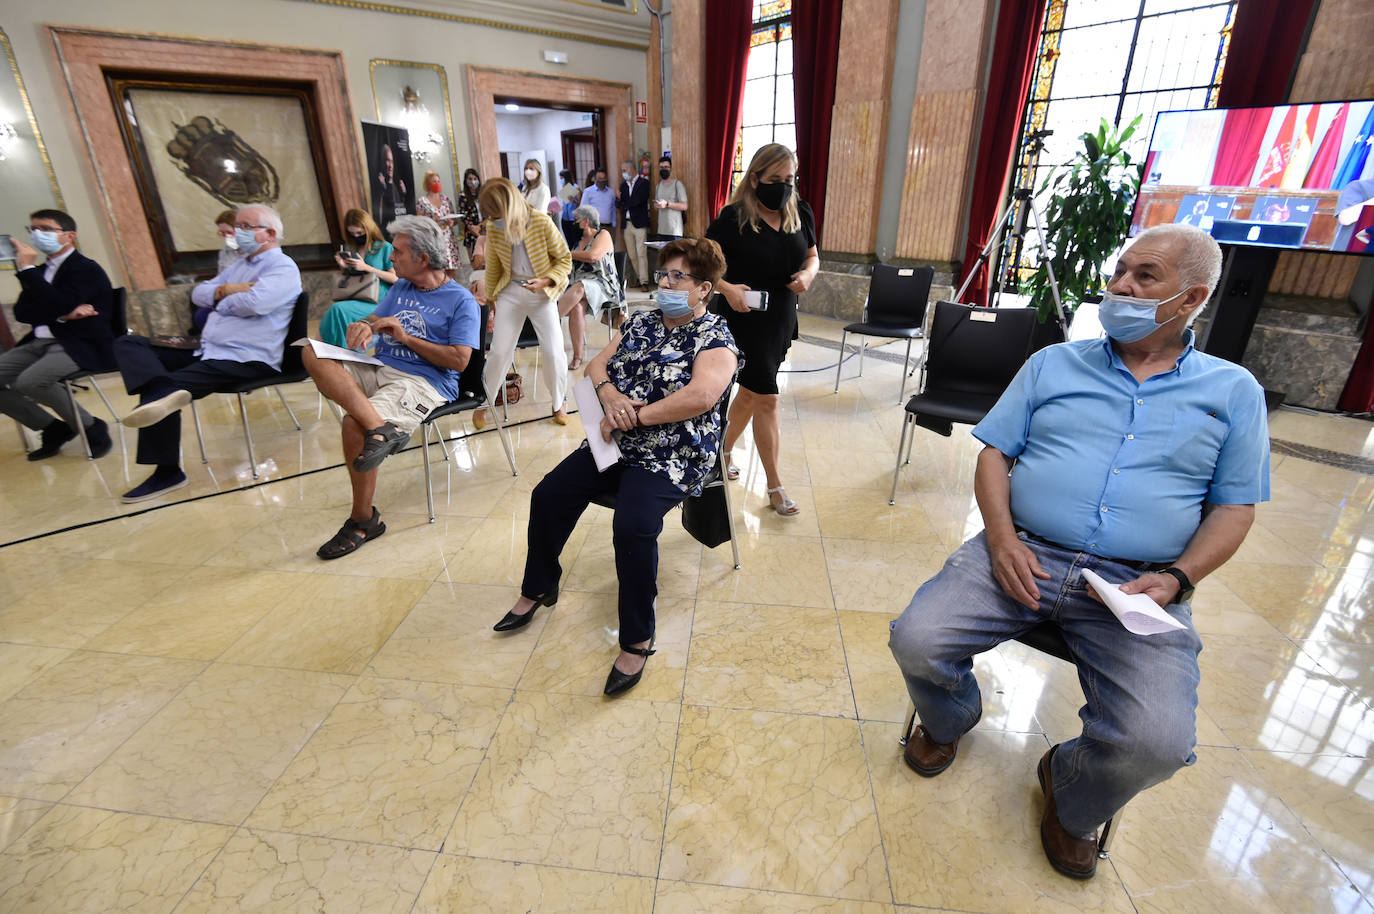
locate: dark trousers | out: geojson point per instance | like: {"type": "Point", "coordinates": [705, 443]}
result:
{"type": "Point", "coordinates": [641, 501]}
{"type": "Point", "coordinates": [156, 371]}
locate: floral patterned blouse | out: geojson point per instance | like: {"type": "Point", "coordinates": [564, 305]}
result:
{"type": "Point", "coordinates": [440, 215]}
{"type": "Point", "coordinates": [471, 218]}
{"type": "Point", "coordinates": [653, 361]}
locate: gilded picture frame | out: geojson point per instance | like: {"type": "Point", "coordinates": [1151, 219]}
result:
{"type": "Point", "coordinates": [429, 81]}
{"type": "Point", "coordinates": [27, 180]}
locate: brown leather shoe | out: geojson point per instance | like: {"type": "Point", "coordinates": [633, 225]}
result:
{"type": "Point", "coordinates": [1072, 856]}
{"type": "Point", "coordinates": [925, 756]}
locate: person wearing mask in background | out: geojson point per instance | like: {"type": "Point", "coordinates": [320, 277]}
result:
{"type": "Point", "coordinates": [229, 248]}
{"type": "Point", "coordinates": [670, 201]}
{"type": "Point", "coordinates": [568, 196]}
{"type": "Point", "coordinates": [533, 187]}
{"type": "Point", "coordinates": [470, 215]}
{"type": "Point", "coordinates": [633, 201]}
{"type": "Point", "coordinates": [371, 254]}
{"type": "Point", "coordinates": [527, 269]}
{"type": "Point", "coordinates": [67, 300]}
{"type": "Point", "coordinates": [769, 239]}
{"type": "Point", "coordinates": [600, 197]}
{"type": "Point", "coordinates": [252, 303]}
{"type": "Point", "coordinates": [438, 207]}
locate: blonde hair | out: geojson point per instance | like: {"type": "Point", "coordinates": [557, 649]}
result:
{"type": "Point", "coordinates": [360, 219]}
{"type": "Point", "coordinates": [745, 199]}
{"type": "Point", "coordinates": [500, 199]}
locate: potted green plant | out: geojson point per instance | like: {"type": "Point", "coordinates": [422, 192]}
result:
{"type": "Point", "coordinates": [1086, 218]}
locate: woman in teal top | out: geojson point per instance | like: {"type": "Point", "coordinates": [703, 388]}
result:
{"type": "Point", "coordinates": [372, 254]}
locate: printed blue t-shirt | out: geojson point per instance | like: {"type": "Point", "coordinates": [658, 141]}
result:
{"type": "Point", "coordinates": [448, 316]}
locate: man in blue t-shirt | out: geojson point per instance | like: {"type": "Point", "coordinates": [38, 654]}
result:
{"type": "Point", "coordinates": [425, 331]}
{"type": "Point", "coordinates": [1135, 457]}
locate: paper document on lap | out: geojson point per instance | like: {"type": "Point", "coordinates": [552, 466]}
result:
{"type": "Point", "coordinates": [605, 453]}
{"type": "Point", "coordinates": [1140, 614]}
{"type": "Point", "coordinates": [324, 350]}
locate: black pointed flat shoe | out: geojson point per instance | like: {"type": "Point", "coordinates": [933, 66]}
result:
{"type": "Point", "coordinates": [510, 621]}
{"type": "Point", "coordinates": [618, 682]}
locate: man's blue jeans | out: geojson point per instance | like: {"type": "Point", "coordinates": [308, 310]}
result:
{"type": "Point", "coordinates": [1141, 692]}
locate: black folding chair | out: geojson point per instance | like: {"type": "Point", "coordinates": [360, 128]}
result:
{"type": "Point", "coordinates": [119, 325]}
{"type": "Point", "coordinates": [895, 308]}
{"type": "Point", "coordinates": [292, 371]}
{"type": "Point", "coordinates": [971, 356]}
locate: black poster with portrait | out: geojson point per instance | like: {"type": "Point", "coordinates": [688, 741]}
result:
{"type": "Point", "coordinates": [390, 175]}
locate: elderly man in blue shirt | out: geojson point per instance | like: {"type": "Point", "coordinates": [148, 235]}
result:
{"type": "Point", "coordinates": [601, 198]}
{"type": "Point", "coordinates": [1137, 457]}
{"type": "Point", "coordinates": [250, 307]}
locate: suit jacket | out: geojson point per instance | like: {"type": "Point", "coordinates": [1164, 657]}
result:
{"type": "Point", "coordinates": [78, 281]}
{"type": "Point", "coordinates": [634, 201]}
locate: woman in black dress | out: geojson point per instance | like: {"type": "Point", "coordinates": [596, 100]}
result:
{"type": "Point", "coordinates": [769, 240]}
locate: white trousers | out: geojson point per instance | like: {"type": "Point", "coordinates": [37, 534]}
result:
{"type": "Point", "coordinates": [513, 306]}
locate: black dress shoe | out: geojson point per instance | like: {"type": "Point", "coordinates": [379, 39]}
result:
{"type": "Point", "coordinates": [619, 682]}
{"type": "Point", "coordinates": [98, 437]}
{"type": "Point", "coordinates": [54, 435]}
{"type": "Point", "coordinates": [510, 621]}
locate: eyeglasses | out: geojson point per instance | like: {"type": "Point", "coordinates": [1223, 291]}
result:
{"type": "Point", "coordinates": [44, 228]}
{"type": "Point", "coordinates": [674, 276]}
{"type": "Point", "coordinates": [244, 225]}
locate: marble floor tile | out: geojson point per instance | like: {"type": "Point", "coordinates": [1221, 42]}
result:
{"type": "Point", "coordinates": [857, 515]}
{"type": "Point", "coordinates": [679, 562]}
{"type": "Point", "coordinates": [773, 801]}
{"type": "Point", "coordinates": [768, 658]}
{"type": "Point", "coordinates": [868, 576]}
{"type": "Point", "coordinates": [21, 663]}
{"type": "Point", "coordinates": [185, 534]}
{"type": "Point", "coordinates": [475, 886]}
{"type": "Point", "coordinates": [572, 781]}
{"type": "Point", "coordinates": [66, 612]}
{"type": "Point", "coordinates": [494, 552]}
{"type": "Point", "coordinates": [286, 540]}
{"type": "Point", "coordinates": [411, 548]}
{"type": "Point", "coordinates": [581, 640]}
{"type": "Point", "coordinates": [755, 515]}
{"type": "Point", "coordinates": [986, 809]}
{"type": "Point", "coordinates": [782, 570]}
{"type": "Point", "coordinates": [870, 470]}
{"type": "Point", "coordinates": [216, 748]}
{"type": "Point", "coordinates": [16, 815]}
{"type": "Point", "coordinates": [691, 898]}
{"type": "Point", "coordinates": [447, 637]}
{"type": "Point", "coordinates": [59, 727]}
{"type": "Point", "coordinates": [201, 616]}
{"type": "Point", "coordinates": [92, 861]}
{"type": "Point", "coordinates": [879, 690]}
{"type": "Point", "coordinates": [389, 765]}
{"type": "Point", "coordinates": [329, 623]}
{"type": "Point", "coordinates": [261, 872]}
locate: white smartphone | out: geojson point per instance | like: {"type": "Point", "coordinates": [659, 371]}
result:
{"type": "Point", "coordinates": [757, 301]}
{"type": "Point", "coordinates": [6, 249]}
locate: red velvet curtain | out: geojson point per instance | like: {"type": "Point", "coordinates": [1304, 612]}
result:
{"type": "Point", "coordinates": [815, 62]}
{"type": "Point", "coordinates": [1265, 41]}
{"type": "Point", "coordinates": [1013, 67]}
{"type": "Point", "coordinates": [728, 24]}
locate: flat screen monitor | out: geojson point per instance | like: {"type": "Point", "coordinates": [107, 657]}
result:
{"type": "Point", "coordinates": [1290, 176]}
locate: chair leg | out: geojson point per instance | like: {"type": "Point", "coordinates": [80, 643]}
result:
{"type": "Point", "coordinates": [1109, 829]}
{"type": "Point", "coordinates": [200, 435]}
{"type": "Point", "coordinates": [534, 378]}
{"type": "Point", "coordinates": [505, 441]}
{"type": "Point", "coordinates": [424, 455]}
{"type": "Point", "coordinates": [247, 436]}
{"type": "Point", "coordinates": [844, 335]}
{"type": "Point", "coordinates": [863, 345]}
{"type": "Point", "coordinates": [907, 425]}
{"type": "Point", "coordinates": [730, 518]}
{"type": "Point", "coordinates": [910, 725]}
{"type": "Point", "coordinates": [80, 429]}
{"type": "Point", "coordinates": [289, 411]}
{"type": "Point", "coordinates": [104, 399]}
{"type": "Point", "coordinates": [906, 364]}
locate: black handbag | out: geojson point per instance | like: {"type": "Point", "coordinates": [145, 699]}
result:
{"type": "Point", "coordinates": [706, 517]}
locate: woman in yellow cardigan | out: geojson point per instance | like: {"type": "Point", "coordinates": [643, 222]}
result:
{"type": "Point", "coordinates": [527, 270]}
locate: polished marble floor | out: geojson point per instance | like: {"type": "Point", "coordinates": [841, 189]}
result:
{"type": "Point", "coordinates": [196, 714]}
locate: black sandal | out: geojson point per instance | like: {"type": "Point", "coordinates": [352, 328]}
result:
{"type": "Point", "coordinates": [376, 450]}
{"type": "Point", "coordinates": [348, 540]}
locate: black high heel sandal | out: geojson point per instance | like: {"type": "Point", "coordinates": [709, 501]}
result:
{"type": "Point", "coordinates": [510, 621]}
{"type": "Point", "coordinates": [619, 682]}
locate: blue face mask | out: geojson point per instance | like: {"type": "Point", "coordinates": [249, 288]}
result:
{"type": "Point", "coordinates": [1128, 319]}
{"type": "Point", "coordinates": [47, 242]}
{"type": "Point", "coordinates": [247, 240]}
{"type": "Point", "coordinates": [674, 302]}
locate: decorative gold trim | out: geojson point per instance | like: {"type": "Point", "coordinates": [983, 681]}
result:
{"type": "Point", "coordinates": [448, 111]}
{"type": "Point", "coordinates": [601, 5]}
{"type": "Point", "coordinates": [473, 20]}
{"type": "Point", "coordinates": [195, 39]}
{"type": "Point", "coordinates": [33, 125]}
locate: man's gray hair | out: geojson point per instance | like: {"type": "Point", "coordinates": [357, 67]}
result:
{"type": "Point", "coordinates": [425, 238]}
{"type": "Point", "coordinates": [590, 214]}
{"type": "Point", "coordinates": [1199, 257]}
{"type": "Point", "coordinates": [266, 216]}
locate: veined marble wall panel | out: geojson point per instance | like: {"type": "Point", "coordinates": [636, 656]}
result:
{"type": "Point", "coordinates": [858, 136]}
{"type": "Point", "coordinates": [939, 150]}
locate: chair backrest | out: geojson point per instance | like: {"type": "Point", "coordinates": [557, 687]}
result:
{"type": "Point", "coordinates": [119, 311]}
{"type": "Point", "coordinates": [296, 328]}
{"type": "Point", "coordinates": [977, 350]}
{"type": "Point", "coordinates": [528, 338]}
{"type": "Point", "coordinates": [899, 295]}
{"type": "Point", "coordinates": [470, 378]}
{"type": "Point", "coordinates": [621, 265]}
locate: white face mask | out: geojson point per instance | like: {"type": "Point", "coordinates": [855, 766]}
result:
{"type": "Point", "coordinates": [531, 174]}
{"type": "Point", "coordinates": [231, 243]}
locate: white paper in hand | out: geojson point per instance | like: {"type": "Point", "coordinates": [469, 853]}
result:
{"type": "Point", "coordinates": [589, 410]}
{"type": "Point", "coordinates": [1140, 614]}
{"type": "Point", "coordinates": [337, 353]}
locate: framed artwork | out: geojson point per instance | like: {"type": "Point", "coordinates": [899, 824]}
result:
{"type": "Point", "coordinates": [415, 96]}
{"type": "Point", "coordinates": [27, 182]}
{"type": "Point", "coordinates": [200, 146]}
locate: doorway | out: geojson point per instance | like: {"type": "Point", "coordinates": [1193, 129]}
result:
{"type": "Point", "coordinates": [532, 129]}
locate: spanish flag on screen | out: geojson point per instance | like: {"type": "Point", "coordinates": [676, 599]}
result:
{"type": "Point", "coordinates": [1280, 154]}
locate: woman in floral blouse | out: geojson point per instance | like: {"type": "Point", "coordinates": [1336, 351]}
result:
{"type": "Point", "coordinates": [660, 383]}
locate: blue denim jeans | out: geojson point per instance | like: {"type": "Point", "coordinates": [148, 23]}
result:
{"type": "Point", "coordinates": [1141, 692]}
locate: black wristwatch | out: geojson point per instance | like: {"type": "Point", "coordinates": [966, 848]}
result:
{"type": "Point", "coordinates": [1185, 586]}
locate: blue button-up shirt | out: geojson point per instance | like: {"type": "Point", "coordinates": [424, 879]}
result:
{"type": "Point", "coordinates": [1120, 468]}
{"type": "Point", "coordinates": [603, 201]}
{"type": "Point", "coordinates": [250, 326]}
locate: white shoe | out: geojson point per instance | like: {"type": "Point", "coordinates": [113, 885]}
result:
{"type": "Point", "coordinates": [154, 411]}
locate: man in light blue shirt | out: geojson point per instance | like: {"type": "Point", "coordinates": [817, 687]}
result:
{"type": "Point", "coordinates": [250, 307]}
{"type": "Point", "coordinates": [1136, 457]}
{"type": "Point", "coordinates": [601, 198]}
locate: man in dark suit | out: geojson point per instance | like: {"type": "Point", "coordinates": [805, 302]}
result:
{"type": "Point", "coordinates": [67, 299]}
{"type": "Point", "coordinates": [633, 201]}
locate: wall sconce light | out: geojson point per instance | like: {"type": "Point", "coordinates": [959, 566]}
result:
{"type": "Point", "coordinates": [424, 139]}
